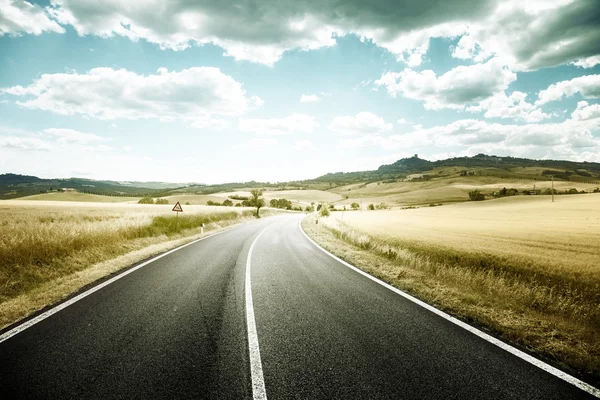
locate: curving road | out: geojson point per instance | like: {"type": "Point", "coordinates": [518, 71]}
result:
{"type": "Point", "coordinates": [186, 326]}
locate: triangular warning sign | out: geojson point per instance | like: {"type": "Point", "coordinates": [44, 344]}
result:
{"type": "Point", "coordinates": [178, 207]}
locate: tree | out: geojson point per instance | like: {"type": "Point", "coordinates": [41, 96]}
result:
{"type": "Point", "coordinates": [146, 200]}
{"type": "Point", "coordinates": [355, 206]}
{"type": "Point", "coordinates": [476, 195]}
{"type": "Point", "coordinates": [371, 206]}
{"type": "Point", "coordinates": [227, 203]}
{"type": "Point", "coordinates": [256, 201]}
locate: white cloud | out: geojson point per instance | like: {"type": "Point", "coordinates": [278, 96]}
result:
{"type": "Point", "coordinates": [528, 35]}
{"type": "Point", "coordinates": [309, 98]}
{"type": "Point", "coordinates": [24, 143]}
{"type": "Point", "coordinates": [454, 89]}
{"type": "Point", "coordinates": [72, 136]}
{"type": "Point", "coordinates": [364, 123]}
{"type": "Point", "coordinates": [533, 34]}
{"type": "Point", "coordinates": [194, 94]}
{"type": "Point", "coordinates": [588, 62]}
{"type": "Point", "coordinates": [17, 16]}
{"type": "Point", "coordinates": [401, 121]}
{"type": "Point", "coordinates": [558, 139]}
{"type": "Point", "coordinates": [295, 123]}
{"type": "Point", "coordinates": [584, 111]}
{"type": "Point", "coordinates": [514, 106]}
{"type": "Point", "coordinates": [588, 86]}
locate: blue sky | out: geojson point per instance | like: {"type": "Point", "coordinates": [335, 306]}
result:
{"type": "Point", "coordinates": [277, 90]}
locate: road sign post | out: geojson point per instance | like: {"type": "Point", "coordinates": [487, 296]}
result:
{"type": "Point", "coordinates": [178, 208]}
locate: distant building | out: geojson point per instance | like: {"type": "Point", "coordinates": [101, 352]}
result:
{"type": "Point", "coordinates": [69, 190]}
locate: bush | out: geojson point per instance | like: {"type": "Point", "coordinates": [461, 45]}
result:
{"type": "Point", "coordinates": [572, 191]}
{"type": "Point", "coordinates": [238, 197]}
{"type": "Point", "coordinates": [324, 212]}
{"type": "Point", "coordinates": [355, 206]}
{"type": "Point", "coordinates": [146, 200]}
{"type": "Point", "coordinates": [187, 203]}
{"type": "Point", "coordinates": [309, 209]}
{"type": "Point", "coordinates": [476, 195]}
{"type": "Point", "coordinates": [227, 203]}
{"type": "Point", "coordinates": [281, 203]}
{"type": "Point", "coordinates": [371, 206]}
{"type": "Point", "coordinates": [382, 206]}
{"type": "Point", "coordinates": [597, 190]}
{"type": "Point", "coordinates": [162, 201]}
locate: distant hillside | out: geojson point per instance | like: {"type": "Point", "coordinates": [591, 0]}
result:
{"type": "Point", "coordinates": [481, 165]}
{"type": "Point", "coordinates": [14, 185]}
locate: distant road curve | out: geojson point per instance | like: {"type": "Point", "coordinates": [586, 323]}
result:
{"type": "Point", "coordinates": [181, 327]}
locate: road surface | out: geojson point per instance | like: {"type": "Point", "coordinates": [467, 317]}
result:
{"type": "Point", "coordinates": [179, 328]}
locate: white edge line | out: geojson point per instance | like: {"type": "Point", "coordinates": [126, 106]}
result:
{"type": "Point", "coordinates": [530, 359]}
{"type": "Point", "coordinates": [259, 391]}
{"type": "Point", "coordinates": [27, 324]}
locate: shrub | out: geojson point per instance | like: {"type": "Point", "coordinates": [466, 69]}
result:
{"type": "Point", "coordinates": [382, 206]}
{"type": "Point", "coordinates": [309, 209]}
{"type": "Point", "coordinates": [227, 203]}
{"type": "Point", "coordinates": [572, 191]}
{"type": "Point", "coordinates": [371, 206]}
{"type": "Point", "coordinates": [355, 206]}
{"type": "Point", "coordinates": [146, 200]}
{"type": "Point", "coordinates": [162, 201]}
{"type": "Point", "coordinates": [281, 203]}
{"type": "Point", "coordinates": [324, 212]}
{"type": "Point", "coordinates": [476, 195]}
{"type": "Point", "coordinates": [187, 203]}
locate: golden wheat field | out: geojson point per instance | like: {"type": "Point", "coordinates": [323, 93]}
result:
{"type": "Point", "coordinates": [564, 235]}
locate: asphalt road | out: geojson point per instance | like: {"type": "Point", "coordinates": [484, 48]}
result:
{"type": "Point", "coordinates": [177, 328]}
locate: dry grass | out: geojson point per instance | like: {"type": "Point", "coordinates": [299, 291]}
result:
{"type": "Point", "coordinates": [76, 196]}
{"type": "Point", "coordinates": [522, 267]}
{"type": "Point", "coordinates": [44, 242]}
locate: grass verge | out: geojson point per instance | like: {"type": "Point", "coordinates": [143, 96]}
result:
{"type": "Point", "coordinates": [556, 319]}
{"type": "Point", "coordinates": [47, 255]}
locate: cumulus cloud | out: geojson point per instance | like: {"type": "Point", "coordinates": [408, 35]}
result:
{"type": "Point", "coordinates": [309, 98]}
{"type": "Point", "coordinates": [514, 106]}
{"type": "Point", "coordinates": [588, 86]}
{"type": "Point", "coordinates": [364, 123]}
{"type": "Point", "coordinates": [194, 94]}
{"type": "Point", "coordinates": [73, 136]}
{"type": "Point", "coordinates": [17, 17]}
{"type": "Point", "coordinates": [588, 62]}
{"type": "Point", "coordinates": [533, 34]}
{"type": "Point", "coordinates": [585, 111]}
{"type": "Point", "coordinates": [295, 123]}
{"type": "Point", "coordinates": [565, 138]}
{"type": "Point", "coordinates": [454, 89]}
{"type": "Point", "coordinates": [529, 35]}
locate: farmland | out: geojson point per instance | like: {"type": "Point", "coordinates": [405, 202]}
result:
{"type": "Point", "coordinates": [522, 267]}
